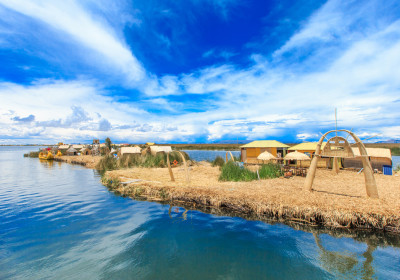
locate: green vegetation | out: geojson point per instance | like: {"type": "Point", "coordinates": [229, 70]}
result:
{"type": "Point", "coordinates": [148, 161]}
{"type": "Point", "coordinates": [218, 161]}
{"type": "Point", "coordinates": [108, 143]}
{"type": "Point", "coordinates": [32, 155]}
{"type": "Point", "coordinates": [233, 172]}
{"type": "Point", "coordinates": [397, 169]}
{"type": "Point", "coordinates": [270, 170]}
{"type": "Point", "coordinates": [395, 151]}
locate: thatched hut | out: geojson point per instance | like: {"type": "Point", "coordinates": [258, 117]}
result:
{"type": "Point", "coordinates": [160, 149]}
{"type": "Point", "coordinates": [377, 156]}
{"type": "Point", "coordinates": [130, 150]}
{"type": "Point", "coordinates": [63, 147]}
{"type": "Point", "coordinates": [251, 151]}
{"type": "Point", "coordinates": [71, 152]}
{"type": "Point", "coordinates": [78, 147]}
{"type": "Point", "coordinates": [86, 151]}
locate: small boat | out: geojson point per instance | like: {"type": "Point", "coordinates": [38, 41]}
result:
{"type": "Point", "coordinates": [48, 156]}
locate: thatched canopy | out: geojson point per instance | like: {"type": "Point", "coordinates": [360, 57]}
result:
{"type": "Point", "coordinates": [296, 156]}
{"type": "Point", "coordinates": [158, 149]}
{"type": "Point", "coordinates": [266, 156]}
{"type": "Point", "coordinates": [130, 150]}
{"type": "Point", "coordinates": [375, 152]}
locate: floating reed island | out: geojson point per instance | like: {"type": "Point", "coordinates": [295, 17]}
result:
{"type": "Point", "coordinates": [337, 200]}
{"type": "Point", "coordinates": [327, 198]}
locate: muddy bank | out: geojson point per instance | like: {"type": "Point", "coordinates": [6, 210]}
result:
{"type": "Point", "coordinates": [338, 201]}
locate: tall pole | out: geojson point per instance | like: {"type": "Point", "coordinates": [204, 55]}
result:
{"type": "Point", "coordinates": [336, 120]}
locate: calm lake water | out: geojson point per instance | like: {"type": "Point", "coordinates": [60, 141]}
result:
{"type": "Point", "coordinates": [58, 222]}
{"type": "Point", "coordinates": [200, 155]}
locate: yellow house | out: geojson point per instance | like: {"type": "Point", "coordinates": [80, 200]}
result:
{"type": "Point", "coordinates": [307, 148]}
{"type": "Point", "coordinates": [251, 151]}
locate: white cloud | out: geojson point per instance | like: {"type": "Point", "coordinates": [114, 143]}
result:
{"type": "Point", "coordinates": [72, 19]}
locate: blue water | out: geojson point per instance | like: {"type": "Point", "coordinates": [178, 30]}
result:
{"type": "Point", "coordinates": [395, 161]}
{"type": "Point", "coordinates": [58, 222]}
{"type": "Point", "coordinates": [200, 155]}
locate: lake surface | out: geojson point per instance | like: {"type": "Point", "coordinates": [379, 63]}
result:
{"type": "Point", "coordinates": [200, 155]}
{"type": "Point", "coordinates": [58, 222]}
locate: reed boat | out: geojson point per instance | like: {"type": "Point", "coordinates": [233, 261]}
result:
{"type": "Point", "coordinates": [48, 156]}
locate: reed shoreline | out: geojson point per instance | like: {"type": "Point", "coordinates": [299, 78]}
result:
{"type": "Point", "coordinates": [338, 202]}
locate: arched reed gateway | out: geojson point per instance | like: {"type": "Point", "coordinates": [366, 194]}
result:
{"type": "Point", "coordinates": [339, 147]}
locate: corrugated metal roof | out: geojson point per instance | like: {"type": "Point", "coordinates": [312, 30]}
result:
{"type": "Point", "coordinates": [265, 144]}
{"type": "Point", "coordinates": [307, 146]}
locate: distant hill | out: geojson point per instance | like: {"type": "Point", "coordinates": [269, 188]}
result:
{"type": "Point", "coordinates": [391, 141]}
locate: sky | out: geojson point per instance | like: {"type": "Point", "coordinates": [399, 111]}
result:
{"type": "Point", "coordinates": [198, 71]}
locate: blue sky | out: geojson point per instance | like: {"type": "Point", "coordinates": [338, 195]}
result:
{"type": "Point", "coordinates": [197, 70]}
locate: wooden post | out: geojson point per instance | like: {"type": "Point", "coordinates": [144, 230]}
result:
{"type": "Point", "coordinates": [170, 169]}
{"type": "Point", "coordinates": [370, 183]}
{"type": "Point", "coordinates": [186, 168]}
{"type": "Point", "coordinates": [313, 166]}
{"type": "Point", "coordinates": [335, 167]}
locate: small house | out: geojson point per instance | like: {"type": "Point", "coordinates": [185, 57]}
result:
{"type": "Point", "coordinates": [71, 152]}
{"type": "Point", "coordinates": [78, 147]}
{"type": "Point", "coordinates": [86, 151]}
{"type": "Point", "coordinates": [309, 148]}
{"type": "Point", "coordinates": [252, 150]}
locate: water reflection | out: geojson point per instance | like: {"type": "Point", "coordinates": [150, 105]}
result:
{"type": "Point", "coordinates": [182, 217]}
{"type": "Point", "coordinates": [345, 263]}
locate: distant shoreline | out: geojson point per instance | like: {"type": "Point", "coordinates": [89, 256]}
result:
{"type": "Point", "coordinates": [394, 147]}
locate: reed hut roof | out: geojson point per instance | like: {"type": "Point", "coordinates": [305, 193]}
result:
{"type": "Point", "coordinates": [78, 146]}
{"type": "Point", "coordinates": [157, 149]}
{"type": "Point", "coordinates": [130, 150]}
{"type": "Point", "coordinates": [296, 156]}
{"type": "Point", "coordinates": [265, 144]}
{"type": "Point", "coordinates": [306, 146]}
{"type": "Point", "coordinates": [266, 156]}
{"type": "Point", "coordinates": [63, 147]}
{"type": "Point", "coordinates": [374, 152]}
{"type": "Point", "coordinates": [71, 150]}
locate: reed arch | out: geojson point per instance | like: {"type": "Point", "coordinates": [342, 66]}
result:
{"type": "Point", "coordinates": [171, 174]}
{"type": "Point", "coordinates": [232, 158]}
{"type": "Point", "coordinates": [370, 183]}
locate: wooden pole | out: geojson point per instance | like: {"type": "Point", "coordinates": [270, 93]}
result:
{"type": "Point", "coordinates": [186, 168]}
{"type": "Point", "coordinates": [170, 169]}
{"type": "Point", "coordinates": [335, 166]}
